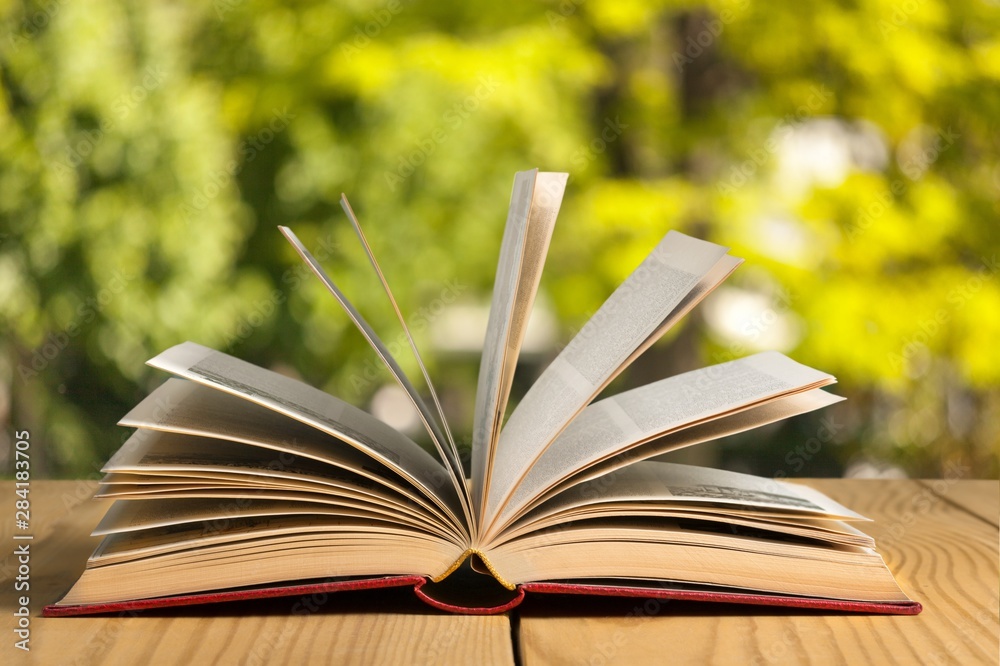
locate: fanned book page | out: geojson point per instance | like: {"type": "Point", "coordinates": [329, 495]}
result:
{"type": "Point", "coordinates": [240, 482]}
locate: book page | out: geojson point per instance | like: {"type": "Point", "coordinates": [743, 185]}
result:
{"type": "Point", "coordinates": [675, 484]}
{"type": "Point", "coordinates": [264, 551]}
{"type": "Point", "coordinates": [448, 454]}
{"type": "Point", "coordinates": [319, 410]}
{"type": "Point", "coordinates": [624, 323]}
{"type": "Point", "coordinates": [223, 495]}
{"type": "Point", "coordinates": [614, 425]}
{"type": "Point", "coordinates": [767, 412]}
{"type": "Point", "coordinates": [498, 330]}
{"type": "Point", "coordinates": [712, 279]}
{"type": "Point", "coordinates": [152, 457]}
{"type": "Point", "coordinates": [187, 407]}
{"type": "Point", "coordinates": [666, 550]}
{"type": "Point", "coordinates": [832, 530]}
{"type": "Point", "coordinates": [132, 516]}
{"type": "Point", "coordinates": [453, 449]}
{"type": "Point", "coordinates": [534, 206]}
{"type": "Point", "coordinates": [242, 535]}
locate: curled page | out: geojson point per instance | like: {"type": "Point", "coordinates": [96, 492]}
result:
{"type": "Point", "coordinates": [655, 488]}
{"type": "Point", "coordinates": [612, 426]}
{"type": "Point", "coordinates": [453, 450]}
{"type": "Point", "coordinates": [190, 408]}
{"type": "Point", "coordinates": [742, 420]}
{"type": "Point", "coordinates": [628, 321]}
{"type": "Point", "coordinates": [449, 457]}
{"type": "Point", "coordinates": [534, 205]}
{"type": "Point", "coordinates": [320, 410]}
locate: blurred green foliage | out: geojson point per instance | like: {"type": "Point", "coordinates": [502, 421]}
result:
{"type": "Point", "coordinates": [849, 151]}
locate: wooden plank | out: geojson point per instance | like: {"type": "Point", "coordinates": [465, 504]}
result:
{"type": "Point", "coordinates": [254, 637]}
{"type": "Point", "coordinates": [51, 501]}
{"type": "Point", "coordinates": [979, 497]}
{"type": "Point", "coordinates": [370, 627]}
{"type": "Point", "coordinates": [942, 556]}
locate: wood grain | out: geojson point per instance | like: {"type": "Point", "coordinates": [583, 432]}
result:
{"type": "Point", "coordinates": [371, 627]}
{"type": "Point", "coordinates": [980, 498]}
{"type": "Point", "coordinates": [253, 637]}
{"type": "Point", "coordinates": [942, 555]}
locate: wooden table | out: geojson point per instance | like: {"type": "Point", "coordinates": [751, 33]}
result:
{"type": "Point", "coordinates": [940, 538]}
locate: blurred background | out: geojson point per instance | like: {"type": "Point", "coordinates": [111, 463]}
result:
{"type": "Point", "coordinates": [849, 151]}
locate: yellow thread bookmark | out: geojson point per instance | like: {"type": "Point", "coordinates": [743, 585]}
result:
{"type": "Point", "coordinates": [489, 565]}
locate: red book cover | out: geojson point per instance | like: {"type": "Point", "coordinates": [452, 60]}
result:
{"type": "Point", "coordinates": [443, 598]}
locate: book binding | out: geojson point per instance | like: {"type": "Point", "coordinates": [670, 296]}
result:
{"type": "Point", "coordinates": [420, 584]}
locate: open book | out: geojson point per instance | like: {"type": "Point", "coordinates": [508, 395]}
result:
{"type": "Point", "coordinates": [240, 482]}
